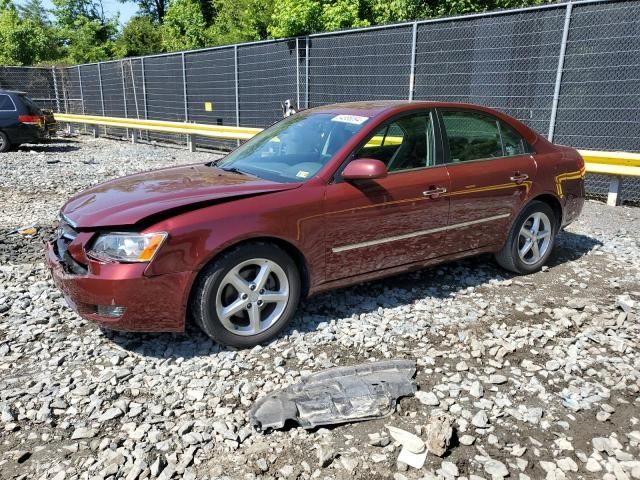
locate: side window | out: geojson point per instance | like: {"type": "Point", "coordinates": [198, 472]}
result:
{"type": "Point", "coordinates": [471, 136]}
{"type": "Point", "coordinates": [6, 104]}
{"type": "Point", "coordinates": [404, 144]}
{"type": "Point", "coordinates": [512, 142]}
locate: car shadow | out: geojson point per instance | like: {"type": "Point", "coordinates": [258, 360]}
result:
{"type": "Point", "coordinates": [49, 147]}
{"type": "Point", "coordinates": [441, 281]}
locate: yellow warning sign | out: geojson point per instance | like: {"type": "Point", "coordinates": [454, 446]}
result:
{"type": "Point", "coordinates": [208, 106]}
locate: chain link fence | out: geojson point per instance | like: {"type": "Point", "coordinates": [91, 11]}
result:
{"type": "Point", "coordinates": [569, 70]}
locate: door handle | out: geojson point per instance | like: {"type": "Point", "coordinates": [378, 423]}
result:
{"type": "Point", "coordinates": [434, 191]}
{"type": "Point", "coordinates": [519, 178]}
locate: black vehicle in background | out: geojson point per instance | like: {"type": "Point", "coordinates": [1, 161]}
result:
{"type": "Point", "coordinates": [22, 121]}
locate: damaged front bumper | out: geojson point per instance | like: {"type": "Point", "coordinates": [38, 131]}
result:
{"type": "Point", "coordinates": [338, 395]}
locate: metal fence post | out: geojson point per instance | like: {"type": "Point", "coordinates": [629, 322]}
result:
{"type": "Point", "coordinates": [144, 92]}
{"type": "Point", "coordinates": [81, 90]}
{"type": "Point", "coordinates": [235, 74]}
{"type": "Point", "coordinates": [101, 97]}
{"type": "Point", "coordinates": [124, 90]}
{"type": "Point", "coordinates": [297, 75]}
{"type": "Point", "coordinates": [412, 72]}
{"type": "Point", "coordinates": [184, 89]}
{"type": "Point", "coordinates": [306, 71]}
{"type": "Point", "coordinates": [556, 90]}
{"type": "Point", "coordinates": [144, 88]}
{"type": "Point", "coordinates": [237, 86]}
{"type": "Point", "coordinates": [101, 91]}
{"type": "Point", "coordinates": [55, 88]}
{"type": "Point", "coordinates": [191, 144]}
{"type": "Point", "coordinates": [124, 94]}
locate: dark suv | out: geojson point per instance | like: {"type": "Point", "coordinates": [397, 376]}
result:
{"type": "Point", "coordinates": [22, 121]}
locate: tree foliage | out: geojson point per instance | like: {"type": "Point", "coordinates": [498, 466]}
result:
{"type": "Point", "coordinates": [184, 26]}
{"type": "Point", "coordinates": [79, 31]}
{"type": "Point", "coordinates": [140, 36]}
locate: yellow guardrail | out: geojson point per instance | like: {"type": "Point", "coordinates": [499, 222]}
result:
{"type": "Point", "coordinates": [612, 163]}
{"type": "Point", "coordinates": [183, 128]}
{"type": "Point", "coordinates": [617, 164]}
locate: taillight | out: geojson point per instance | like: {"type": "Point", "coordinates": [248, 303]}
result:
{"type": "Point", "coordinates": [31, 119]}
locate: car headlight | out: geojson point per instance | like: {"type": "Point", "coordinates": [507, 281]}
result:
{"type": "Point", "coordinates": [126, 247]}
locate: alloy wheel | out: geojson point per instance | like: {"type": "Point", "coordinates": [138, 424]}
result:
{"type": "Point", "coordinates": [252, 296]}
{"type": "Point", "coordinates": [534, 238]}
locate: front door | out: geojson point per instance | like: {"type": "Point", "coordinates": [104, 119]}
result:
{"type": "Point", "coordinates": [491, 171]}
{"type": "Point", "coordinates": [397, 220]}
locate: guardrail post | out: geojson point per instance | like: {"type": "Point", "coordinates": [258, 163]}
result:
{"type": "Point", "coordinates": [412, 72]}
{"type": "Point", "coordinates": [613, 197]}
{"type": "Point", "coordinates": [237, 87]}
{"type": "Point", "coordinates": [556, 89]}
{"type": "Point", "coordinates": [134, 136]}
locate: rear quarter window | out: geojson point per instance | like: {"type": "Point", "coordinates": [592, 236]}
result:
{"type": "Point", "coordinates": [29, 104]}
{"type": "Point", "coordinates": [6, 104]}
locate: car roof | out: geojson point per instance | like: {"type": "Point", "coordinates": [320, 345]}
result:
{"type": "Point", "coordinates": [378, 107]}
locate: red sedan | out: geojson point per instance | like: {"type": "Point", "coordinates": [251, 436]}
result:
{"type": "Point", "coordinates": [325, 198]}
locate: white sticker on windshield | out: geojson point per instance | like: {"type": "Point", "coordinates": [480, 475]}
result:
{"type": "Point", "coordinates": [354, 119]}
{"type": "Point", "coordinates": [302, 174]}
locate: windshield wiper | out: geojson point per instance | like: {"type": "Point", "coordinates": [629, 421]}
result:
{"type": "Point", "coordinates": [236, 170]}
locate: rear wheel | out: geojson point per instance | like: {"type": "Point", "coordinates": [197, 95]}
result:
{"type": "Point", "coordinates": [531, 239]}
{"type": "Point", "coordinates": [5, 144]}
{"type": "Point", "coordinates": [247, 296]}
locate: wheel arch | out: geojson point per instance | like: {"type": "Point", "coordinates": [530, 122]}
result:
{"type": "Point", "coordinates": [554, 203]}
{"type": "Point", "coordinates": [294, 252]}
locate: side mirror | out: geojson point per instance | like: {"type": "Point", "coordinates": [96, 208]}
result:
{"type": "Point", "coordinates": [364, 169]}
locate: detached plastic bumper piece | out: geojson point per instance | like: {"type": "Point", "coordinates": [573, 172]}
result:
{"type": "Point", "coordinates": [338, 395]}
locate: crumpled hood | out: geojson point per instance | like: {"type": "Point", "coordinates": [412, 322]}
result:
{"type": "Point", "coordinates": [128, 200]}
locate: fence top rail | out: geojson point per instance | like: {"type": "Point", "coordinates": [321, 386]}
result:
{"type": "Point", "coordinates": [491, 13]}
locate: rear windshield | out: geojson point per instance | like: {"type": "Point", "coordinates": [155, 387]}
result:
{"type": "Point", "coordinates": [296, 148]}
{"type": "Point", "coordinates": [32, 108]}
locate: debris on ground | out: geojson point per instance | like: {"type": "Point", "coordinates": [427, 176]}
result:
{"type": "Point", "coordinates": [338, 395]}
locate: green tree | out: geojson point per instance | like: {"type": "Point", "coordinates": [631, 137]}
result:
{"type": "Point", "coordinates": [140, 36]}
{"type": "Point", "coordinates": [22, 41]}
{"type": "Point", "coordinates": [295, 17]}
{"type": "Point", "coordinates": [87, 34]}
{"type": "Point", "coordinates": [89, 40]}
{"type": "Point", "coordinates": [184, 26]}
{"type": "Point", "coordinates": [238, 21]}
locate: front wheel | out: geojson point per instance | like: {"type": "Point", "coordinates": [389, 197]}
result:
{"type": "Point", "coordinates": [531, 239]}
{"type": "Point", "coordinates": [247, 296]}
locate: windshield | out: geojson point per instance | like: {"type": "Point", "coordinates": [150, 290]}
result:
{"type": "Point", "coordinates": [296, 148]}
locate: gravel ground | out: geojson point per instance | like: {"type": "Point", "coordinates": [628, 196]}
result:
{"type": "Point", "coordinates": [539, 375]}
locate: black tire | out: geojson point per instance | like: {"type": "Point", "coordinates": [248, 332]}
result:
{"type": "Point", "coordinates": [509, 257]}
{"type": "Point", "coordinates": [205, 292]}
{"type": "Point", "coordinates": [5, 144]}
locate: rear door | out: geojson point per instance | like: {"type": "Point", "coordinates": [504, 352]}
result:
{"type": "Point", "coordinates": [400, 219]}
{"type": "Point", "coordinates": [491, 170]}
